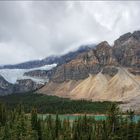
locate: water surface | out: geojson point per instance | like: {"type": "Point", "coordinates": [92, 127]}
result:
{"type": "Point", "coordinates": [72, 117]}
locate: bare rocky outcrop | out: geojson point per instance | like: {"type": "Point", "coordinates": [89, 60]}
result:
{"type": "Point", "coordinates": [104, 54]}
{"type": "Point", "coordinates": [74, 70]}
{"type": "Point", "coordinates": [126, 49]}
{"type": "Point", "coordinates": [110, 70]}
{"type": "Point", "coordinates": [5, 87]}
{"type": "Point", "coordinates": [125, 53]}
{"type": "Point", "coordinates": [36, 73]}
{"type": "Point", "coordinates": [135, 71]}
{"type": "Point", "coordinates": [26, 85]}
{"type": "Point", "coordinates": [91, 62]}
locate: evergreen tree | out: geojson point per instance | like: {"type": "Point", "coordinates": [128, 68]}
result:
{"type": "Point", "coordinates": [34, 120]}
{"type": "Point", "coordinates": [39, 130]}
{"type": "Point", "coordinates": [3, 114]}
{"type": "Point", "coordinates": [113, 117]}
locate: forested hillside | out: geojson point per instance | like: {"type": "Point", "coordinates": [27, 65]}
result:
{"type": "Point", "coordinates": [53, 104]}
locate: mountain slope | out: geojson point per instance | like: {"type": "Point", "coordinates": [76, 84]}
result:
{"type": "Point", "coordinates": [103, 73]}
{"type": "Point", "coordinates": [90, 88]}
{"type": "Point", "coordinates": [121, 87]}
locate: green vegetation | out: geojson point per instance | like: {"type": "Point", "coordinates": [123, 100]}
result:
{"type": "Point", "coordinates": [53, 104]}
{"type": "Point", "coordinates": [16, 125]}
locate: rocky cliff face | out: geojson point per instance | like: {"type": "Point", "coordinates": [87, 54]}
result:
{"type": "Point", "coordinates": [74, 70]}
{"type": "Point", "coordinates": [125, 53]}
{"type": "Point", "coordinates": [126, 50]}
{"type": "Point", "coordinates": [104, 54]}
{"type": "Point", "coordinates": [5, 87]}
{"type": "Point", "coordinates": [91, 62]}
{"type": "Point", "coordinates": [26, 85]}
{"type": "Point", "coordinates": [36, 73]}
{"type": "Point", "coordinates": [110, 70]}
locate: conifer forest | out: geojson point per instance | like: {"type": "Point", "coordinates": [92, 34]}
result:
{"type": "Point", "coordinates": [16, 124]}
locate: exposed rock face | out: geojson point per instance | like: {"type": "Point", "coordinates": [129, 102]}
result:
{"type": "Point", "coordinates": [104, 54]}
{"type": "Point", "coordinates": [74, 70]}
{"type": "Point", "coordinates": [36, 73]}
{"type": "Point", "coordinates": [26, 85]}
{"type": "Point", "coordinates": [127, 50]}
{"type": "Point", "coordinates": [5, 87]}
{"type": "Point", "coordinates": [135, 71]}
{"type": "Point", "coordinates": [110, 70]}
{"type": "Point", "coordinates": [91, 62]}
{"type": "Point", "coordinates": [125, 53]}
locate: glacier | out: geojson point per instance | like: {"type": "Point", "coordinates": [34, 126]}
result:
{"type": "Point", "coordinates": [12, 75]}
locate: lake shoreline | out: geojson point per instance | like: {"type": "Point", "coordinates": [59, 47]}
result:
{"type": "Point", "coordinates": [76, 114]}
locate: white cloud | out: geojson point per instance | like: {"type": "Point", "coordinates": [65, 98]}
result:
{"type": "Point", "coordinates": [32, 30]}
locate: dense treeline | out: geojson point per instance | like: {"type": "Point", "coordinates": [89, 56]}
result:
{"type": "Point", "coordinates": [16, 125]}
{"type": "Point", "coordinates": [53, 104]}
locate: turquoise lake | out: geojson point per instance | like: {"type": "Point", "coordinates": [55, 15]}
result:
{"type": "Point", "coordinates": [74, 117]}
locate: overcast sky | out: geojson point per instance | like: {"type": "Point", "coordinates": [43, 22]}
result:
{"type": "Point", "coordinates": [34, 30]}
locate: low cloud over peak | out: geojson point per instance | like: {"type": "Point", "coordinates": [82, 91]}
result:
{"type": "Point", "coordinates": [32, 30]}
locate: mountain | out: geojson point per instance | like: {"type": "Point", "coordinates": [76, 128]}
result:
{"type": "Point", "coordinates": [49, 60]}
{"type": "Point", "coordinates": [99, 73]}
{"type": "Point", "coordinates": [102, 73]}
{"type": "Point", "coordinates": [31, 75]}
{"type": "Point", "coordinates": [125, 52]}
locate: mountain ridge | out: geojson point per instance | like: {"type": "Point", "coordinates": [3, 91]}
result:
{"type": "Point", "coordinates": [49, 60]}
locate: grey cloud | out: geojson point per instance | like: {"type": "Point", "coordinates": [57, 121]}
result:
{"type": "Point", "coordinates": [36, 29]}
